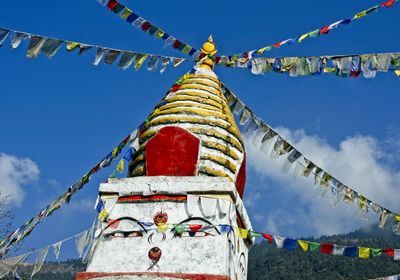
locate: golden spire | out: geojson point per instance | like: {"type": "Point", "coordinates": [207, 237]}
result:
{"type": "Point", "coordinates": [209, 49]}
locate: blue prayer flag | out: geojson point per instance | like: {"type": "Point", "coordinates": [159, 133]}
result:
{"type": "Point", "coordinates": [350, 251]}
{"type": "Point", "coordinates": [290, 244]}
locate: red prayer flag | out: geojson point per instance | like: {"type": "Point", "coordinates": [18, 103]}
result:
{"type": "Point", "coordinates": [355, 74]}
{"type": "Point", "coordinates": [389, 251]}
{"type": "Point", "coordinates": [326, 248]}
{"type": "Point", "coordinates": [268, 237]}
{"type": "Point", "coordinates": [113, 223]}
{"type": "Point", "coordinates": [388, 3]}
{"type": "Point", "coordinates": [175, 88]}
{"type": "Point", "coordinates": [277, 45]}
{"type": "Point", "coordinates": [195, 227]}
{"type": "Point", "coordinates": [146, 26]}
{"type": "Point", "coordinates": [177, 44]}
{"type": "Point", "coordinates": [217, 59]}
{"type": "Point", "coordinates": [324, 30]}
{"type": "Point", "coordinates": [112, 3]}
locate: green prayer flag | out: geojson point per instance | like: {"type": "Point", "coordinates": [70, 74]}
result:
{"type": "Point", "coordinates": [254, 234]}
{"type": "Point", "coordinates": [314, 33]}
{"type": "Point", "coordinates": [119, 7]}
{"type": "Point", "coordinates": [376, 252]}
{"type": "Point", "coordinates": [313, 246]}
{"type": "Point", "coordinates": [179, 228]}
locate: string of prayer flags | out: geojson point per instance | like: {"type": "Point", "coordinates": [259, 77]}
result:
{"type": "Point", "coordinates": [271, 143]}
{"type": "Point", "coordinates": [140, 23]}
{"type": "Point", "coordinates": [326, 248]}
{"type": "Point", "coordinates": [23, 231]}
{"type": "Point", "coordinates": [324, 30]}
{"type": "Point", "coordinates": [343, 66]}
{"type": "Point", "coordinates": [39, 44]}
{"type": "Point", "coordinates": [11, 264]}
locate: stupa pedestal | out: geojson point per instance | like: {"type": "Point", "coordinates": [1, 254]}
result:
{"type": "Point", "coordinates": [190, 241]}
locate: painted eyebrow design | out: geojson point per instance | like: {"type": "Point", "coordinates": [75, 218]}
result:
{"type": "Point", "coordinates": [129, 219]}
{"type": "Point", "coordinates": [197, 219]}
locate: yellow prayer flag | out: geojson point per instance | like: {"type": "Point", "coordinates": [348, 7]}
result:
{"type": "Point", "coordinates": [262, 50]}
{"type": "Point", "coordinates": [360, 15]}
{"type": "Point", "coordinates": [71, 46]}
{"type": "Point", "coordinates": [241, 232]}
{"type": "Point", "coordinates": [140, 61]}
{"type": "Point", "coordinates": [162, 227]}
{"type": "Point", "coordinates": [362, 202]}
{"type": "Point", "coordinates": [126, 13]}
{"type": "Point", "coordinates": [329, 70]}
{"type": "Point", "coordinates": [303, 245]}
{"type": "Point", "coordinates": [397, 72]}
{"type": "Point", "coordinates": [159, 34]}
{"type": "Point", "coordinates": [363, 252]}
{"type": "Point", "coordinates": [302, 37]}
{"type": "Point", "coordinates": [114, 152]}
{"type": "Point", "coordinates": [121, 166]}
{"type": "Point", "coordinates": [103, 215]}
{"type": "Point", "coordinates": [397, 218]}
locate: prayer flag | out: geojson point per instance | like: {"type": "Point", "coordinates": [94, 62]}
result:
{"type": "Point", "coordinates": [254, 234]}
{"type": "Point", "coordinates": [51, 46]}
{"type": "Point", "coordinates": [126, 60]}
{"type": "Point", "coordinates": [363, 252]}
{"type": "Point", "coordinates": [41, 255]}
{"type": "Point", "coordinates": [279, 241]}
{"type": "Point", "coordinates": [268, 237]}
{"type": "Point", "coordinates": [396, 254]}
{"type": "Point", "coordinates": [389, 251]}
{"type": "Point", "coordinates": [376, 252]}
{"type": "Point", "coordinates": [71, 45]}
{"type": "Point", "coordinates": [99, 55]}
{"type": "Point", "coordinates": [314, 246]}
{"type": "Point", "coordinates": [351, 251]}
{"type": "Point", "coordinates": [111, 56]}
{"type": "Point", "coordinates": [302, 37]}
{"type": "Point", "coordinates": [360, 15]}
{"type": "Point", "coordinates": [126, 13]}
{"type": "Point", "coordinates": [338, 250]}
{"type": "Point", "coordinates": [139, 60]}
{"type": "Point", "coordinates": [303, 245]}
{"type": "Point", "coordinates": [3, 35]}
{"type": "Point", "coordinates": [327, 248]}
{"type": "Point", "coordinates": [290, 244]}
{"type": "Point", "coordinates": [17, 39]}
{"type": "Point", "coordinates": [57, 249]}
{"type": "Point", "coordinates": [35, 45]}
{"type": "Point", "coordinates": [121, 166]}
{"type": "Point", "coordinates": [241, 232]}
{"type": "Point", "coordinates": [225, 228]}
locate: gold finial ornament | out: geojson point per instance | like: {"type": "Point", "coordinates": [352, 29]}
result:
{"type": "Point", "coordinates": [210, 49]}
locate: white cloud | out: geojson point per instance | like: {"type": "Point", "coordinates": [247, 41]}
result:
{"type": "Point", "coordinates": [15, 173]}
{"type": "Point", "coordinates": [358, 161]}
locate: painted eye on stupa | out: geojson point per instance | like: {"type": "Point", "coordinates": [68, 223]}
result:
{"type": "Point", "coordinates": [124, 227]}
{"type": "Point", "coordinates": [124, 234]}
{"type": "Point", "coordinates": [195, 227]}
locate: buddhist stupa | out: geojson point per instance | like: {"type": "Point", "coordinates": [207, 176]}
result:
{"type": "Point", "coordinates": [176, 214]}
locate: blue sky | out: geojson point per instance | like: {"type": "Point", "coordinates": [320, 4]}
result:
{"type": "Point", "coordinates": [65, 114]}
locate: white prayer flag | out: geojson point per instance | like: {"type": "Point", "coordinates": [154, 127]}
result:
{"type": "Point", "coordinates": [41, 256]}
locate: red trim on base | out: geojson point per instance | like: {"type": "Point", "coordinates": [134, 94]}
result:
{"type": "Point", "coordinates": [92, 275]}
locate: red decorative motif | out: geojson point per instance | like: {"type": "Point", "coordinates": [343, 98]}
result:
{"type": "Point", "coordinates": [161, 218]}
{"type": "Point", "coordinates": [173, 151]}
{"type": "Point", "coordinates": [241, 177]}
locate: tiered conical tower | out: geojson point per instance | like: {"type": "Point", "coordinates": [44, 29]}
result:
{"type": "Point", "coordinates": [173, 217]}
